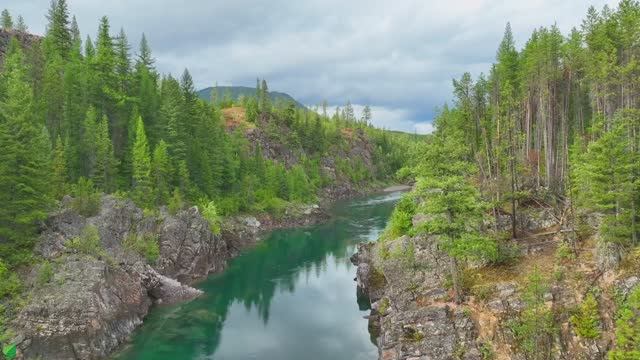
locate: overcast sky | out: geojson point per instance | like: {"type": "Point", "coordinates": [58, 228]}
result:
{"type": "Point", "coordinates": [399, 57]}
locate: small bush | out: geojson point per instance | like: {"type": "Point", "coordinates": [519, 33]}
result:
{"type": "Point", "coordinates": [145, 245]}
{"type": "Point", "coordinates": [9, 282]}
{"type": "Point", "coordinates": [627, 328]}
{"type": "Point", "coordinates": [210, 213]}
{"type": "Point", "coordinates": [86, 199]}
{"type": "Point", "coordinates": [587, 320]}
{"type": "Point", "coordinates": [175, 202]}
{"type": "Point", "coordinates": [564, 252]}
{"type": "Point", "coordinates": [45, 273]}
{"type": "Point", "coordinates": [384, 306]}
{"type": "Point", "coordinates": [87, 243]}
{"type": "Point", "coordinates": [486, 351]}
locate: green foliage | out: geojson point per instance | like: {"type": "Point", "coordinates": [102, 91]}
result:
{"type": "Point", "coordinates": [25, 162]}
{"type": "Point", "coordinates": [175, 202]}
{"type": "Point", "coordinates": [87, 243]}
{"type": "Point", "coordinates": [86, 199]}
{"type": "Point", "coordinates": [383, 307]}
{"type": "Point", "coordinates": [9, 282]}
{"type": "Point", "coordinates": [144, 245]}
{"type": "Point", "coordinates": [587, 319]}
{"type": "Point", "coordinates": [534, 328]}
{"type": "Point", "coordinates": [6, 22]}
{"type": "Point", "coordinates": [141, 167]}
{"type": "Point", "coordinates": [627, 346]}
{"type": "Point", "coordinates": [487, 352]}
{"type": "Point", "coordinates": [210, 213]}
{"type": "Point", "coordinates": [564, 252]}
{"type": "Point", "coordinates": [45, 273]}
{"type": "Point", "coordinates": [400, 222]}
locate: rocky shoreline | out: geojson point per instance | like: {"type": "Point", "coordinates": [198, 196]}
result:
{"type": "Point", "coordinates": [92, 302]}
{"type": "Point", "coordinates": [95, 297]}
{"type": "Point", "coordinates": [413, 316]}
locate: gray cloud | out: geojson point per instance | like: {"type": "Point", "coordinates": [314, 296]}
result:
{"type": "Point", "coordinates": [398, 57]}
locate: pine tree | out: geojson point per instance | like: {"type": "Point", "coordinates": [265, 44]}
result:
{"type": "Point", "coordinates": [587, 320]}
{"type": "Point", "coordinates": [58, 38]}
{"type": "Point", "coordinates": [20, 25]}
{"type": "Point", "coordinates": [106, 164]}
{"type": "Point", "coordinates": [5, 20]}
{"type": "Point", "coordinates": [627, 346]}
{"type": "Point", "coordinates": [366, 115]}
{"type": "Point", "coordinates": [59, 170]}
{"type": "Point", "coordinates": [89, 152]}
{"type": "Point", "coordinates": [141, 167]}
{"type": "Point", "coordinates": [161, 172]}
{"type": "Point", "coordinates": [453, 203]}
{"type": "Point", "coordinates": [24, 162]}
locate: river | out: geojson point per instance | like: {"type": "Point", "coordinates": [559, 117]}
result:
{"type": "Point", "coordinates": [292, 296]}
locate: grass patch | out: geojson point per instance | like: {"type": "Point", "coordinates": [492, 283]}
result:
{"type": "Point", "coordinates": [45, 273]}
{"type": "Point", "coordinates": [145, 245]}
{"type": "Point", "coordinates": [88, 243]}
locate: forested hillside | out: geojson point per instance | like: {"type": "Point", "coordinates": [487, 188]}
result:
{"type": "Point", "coordinates": [86, 116]}
{"type": "Point", "coordinates": [530, 189]}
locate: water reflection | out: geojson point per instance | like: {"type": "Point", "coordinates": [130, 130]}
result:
{"type": "Point", "coordinates": [291, 296]}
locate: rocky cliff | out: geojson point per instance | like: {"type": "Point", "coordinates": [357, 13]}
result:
{"type": "Point", "coordinates": [413, 315]}
{"type": "Point", "coordinates": [95, 296]}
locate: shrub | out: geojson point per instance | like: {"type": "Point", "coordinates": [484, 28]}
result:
{"type": "Point", "coordinates": [145, 245]}
{"type": "Point", "coordinates": [9, 282]}
{"type": "Point", "coordinates": [401, 221]}
{"type": "Point", "coordinates": [587, 319]}
{"type": "Point", "coordinates": [210, 213]}
{"type": "Point", "coordinates": [628, 329]}
{"type": "Point", "coordinates": [486, 351]}
{"type": "Point", "coordinates": [175, 202]}
{"type": "Point", "coordinates": [45, 273]}
{"type": "Point", "coordinates": [534, 327]}
{"type": "Point", "coordinates": [86, 199]}
{"type": "Point", "coordinates": [87, 243]}
{"type": "Point", "coordinates": [384, 306]}
{"type": "Point", "coordinates": [564, 252]}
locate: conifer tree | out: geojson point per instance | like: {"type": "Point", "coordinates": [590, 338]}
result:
{"type": "Point", "coordinates": [24, 161]}
{"type": "Point", "coordinates": [5, 20]}
{"type": "Point", "coordinates": [106, 163]}
{"type": "Point", "coordinates": [20, 25]}
{"type": "Point", "coordinates": [141, 167]}
{"type": "Point", "coordinates": [59, 170]}
{"type": "Point", "coordinates": [161, 172]}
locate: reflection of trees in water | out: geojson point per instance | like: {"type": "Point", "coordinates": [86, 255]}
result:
{"type": "Point", "coordinates": [252, 279]}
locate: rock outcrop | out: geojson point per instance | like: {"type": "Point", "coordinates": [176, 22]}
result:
{"type": "Point", "coordinates": [93, 302]}
{"type": "Point", "coordinates": [412, 317]}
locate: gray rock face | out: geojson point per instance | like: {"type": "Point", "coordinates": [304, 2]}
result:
{"type": "Point", "coordinates": [412, 318]}
{"type": "Point", "coordinates": [93, 303]}
{"type": "Point", "coordinates": [87, 310]}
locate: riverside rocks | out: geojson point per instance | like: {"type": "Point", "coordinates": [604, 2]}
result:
{"type": "Point", "coordinates": [92, 303]}
{"type": "Point", "coordinates": [411, 317]}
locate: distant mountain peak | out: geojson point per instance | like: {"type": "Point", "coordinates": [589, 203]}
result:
{"type": "Point", "coordinates": [237, 91]}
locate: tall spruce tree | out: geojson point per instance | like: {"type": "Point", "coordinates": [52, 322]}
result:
{"type": "Point", "coordinates": [142, 185]}
{"type": "Point", "coordinates": [24, 162]}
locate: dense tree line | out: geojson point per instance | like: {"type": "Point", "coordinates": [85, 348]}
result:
{"type": "Point", "coordinates": [78, 114]}
{"type": "Point", "coordinates": [554, 122]}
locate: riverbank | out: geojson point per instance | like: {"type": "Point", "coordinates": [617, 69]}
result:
{"type": "Point", "coordinates": [100, 277]}
{"type": "Point", "coordinates": [289, 297]}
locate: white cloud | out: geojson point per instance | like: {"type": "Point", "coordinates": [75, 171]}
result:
{"type": "Point", "coordinates": [398, 57]}
{"type": "Point", "coordinates": [424, 128]}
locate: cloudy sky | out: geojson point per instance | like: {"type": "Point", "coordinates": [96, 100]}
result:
{"type": "Point", "coordinates": [399, 57]}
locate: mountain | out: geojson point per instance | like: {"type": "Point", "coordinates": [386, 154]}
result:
{"type": "Point", "coordinates": [237, 91]}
